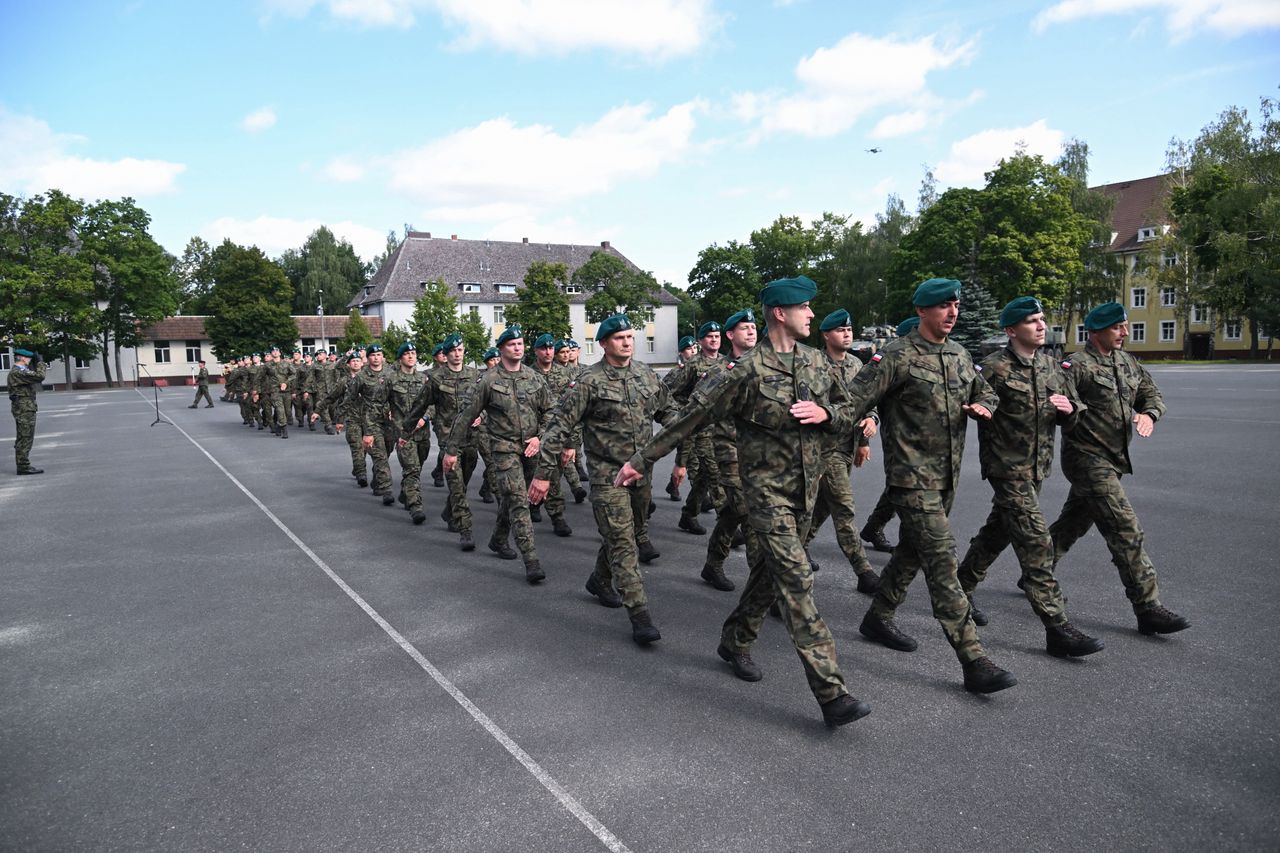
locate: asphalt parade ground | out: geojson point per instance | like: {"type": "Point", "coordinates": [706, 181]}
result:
{"type": "Point", "coordinates": [211, 639]}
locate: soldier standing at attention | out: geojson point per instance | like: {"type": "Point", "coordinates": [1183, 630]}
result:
{"type": "Point", "coordinates": [704, 476]}
{"type": "Point", "coordinates": [1016, 449]}
{"type": "Point", "coordinates": [873, 531]}
{"type": "Point", "coordinates": [842, 455]}
{"type": "Point", "coordinates": [517, 408]}
{"type": "Point", "coordinates": [616, 400]}
{"type": "Point", "coordinates": [346, 411]}
{"type": "Point", "coordinates": [925, 386]}
{"type": "Point", "coordinates": [1119, 396]}
{"type": "Point", "coordinates": [202, 387]}
{"type": "Point", "coordinates": [402, 389]}
{"type": "Point", "coordinates": [557, 378]}
{"type": "Point", "coordinates": [781, 399]}
{"type": "Point", "coordinates": [25, 379]}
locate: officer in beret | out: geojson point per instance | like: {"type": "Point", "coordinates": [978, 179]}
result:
{"type": "Point", "coordinates": [686, 349]}
{"type": "Point", "coordinates": [25, 379]}
{"type": "Point", "coordinates": [202, 387]}
{"type": "Point", "coordinates": [925, 386]}
{"type": "Point", "coordinates": [873, 531]}
{"type": "Point", "coordinates": [438, 359]}
{"type": "Point", "coordinates": [557, 378]}
{"type": "Point", "coordinates": [1016, 451]}
{"type": "Point", "coordinates": [1119, 397]}
{"type": "Point", "coordinates": [403, 386]}
{"type": "Point", "coordinates": [372, 410]}
{"type": "Point", "coordinates": [781, 400]}
{"type": "Point", "coordinates": [347, 411]}
{"type": "Point", "coordinates": [698, 454]}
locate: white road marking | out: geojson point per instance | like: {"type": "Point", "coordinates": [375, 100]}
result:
{"type": "Point", "coordinates": [598, 829]}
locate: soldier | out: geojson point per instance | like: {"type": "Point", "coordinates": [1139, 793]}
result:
{"type": "Point", "coordinates": [686, 349]}
{"type": "Point", "coordinates": [697, 452]}
{"type": "Point", "coordinates": [614, 402]}
{"type": "Point", "coordinates": [488, 486]}
{"type": "Point", "coordinates": [275, 384]}
{"type": "Point", "coordinates": [574, 474]}
{"type": "Point", "coordinates": [305, 397]}
{"type": "Point", "coordinates": [312, 385]}
{"type": "Point", "coordinates": [371, 389]}
{"type": "Point", "coordinates": [25, 379]}
{"type": "Point", "coordinates": [292, 398]}
{"type": "Point", "coordinates": [202, 387]}
{"type": "Point", "coordinates": [779, 397]}
{"type": "Point", "coordinates": [925, 386]}
{"type": "Point", "coordinates": [873, 531]}
{"type": "Point", "coordinates": [254, 388]}
{"type": "Point", "coordinates": [438, 359]}
{"type": "Point", "coordinates": [557, 378]}
{"type": "Point", "coordinates": [490, 358]}
{"type": "Point", "coordinates": [517, 408]}
{"type": "Point", "coordinates": [1016, 450]}
{"type": "Point", "coordinates": [1118, 396]}
{"type": "Point", "coordinates": [403, 388]}
{"type": "Point", "coordinates": [346, 411]}
{"type": "Point", "coordinates": [843, 454]}
{"type": "Point", "coordinates": [236, 389]}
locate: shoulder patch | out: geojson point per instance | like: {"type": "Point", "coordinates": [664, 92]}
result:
{"type": "Point", "coordinates": [978, 367]}
{"type": "Point", "coordinates": [573, 383]}
{"type": "Point", "coordinates": [729, 365]}
{"type": "Point", "coordinates": [876, 358]}
{"type": "Point", "coordinates": [1066, 365]}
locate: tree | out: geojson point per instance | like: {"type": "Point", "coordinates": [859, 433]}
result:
{"type": "Point", "coordinates": [356, 334]}
{"type": "Point", "coordinates": [393, 243]}
{"type": "Point", "coordinates": [392, 337]}
{"type": "Point", "coordinates": [249, 302]}
{"type": "Point", "coordinates": [724, 280]}
{"type": "Point", "coordinates": [686, 310]}
{"type": "Point", "coordinates": [193, 273]}
{"type": "Point", "coordinates": [475, 335]}
{"type": "Point", "coordinates": [619, 289]}
{"type": "Point", "coordinates": [1101, 271]}
{"type": "Point", "coordinates": [542, 307]}
{"type": "Point", "coordinates": [784, 249]}
{"type": "Point", "coordinates": [435, 315]}
{"type": "Point", "coordinates": [979, 319]}
{"type": "Point", "coordinates": [327, 272]}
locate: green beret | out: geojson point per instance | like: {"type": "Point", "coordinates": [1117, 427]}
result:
{"type": "Point", "coordinates": [297, 351]}
{"type": "Point", "coordinates": [707, 328]}
{"type": "Point", "coordinates": [405, 347]}
{"type": "Point", "coordinates": [451, 343]}
{"type": "Point", "coordinates": [686, 342]}
{"type": "Point", "coordinates": [905, 327]}
{"type": "Point", "coordinates": [563, 344]}
{"type": "Point", "coordinates": [746, 315]}
{"type": "Point", "coordinates": [1104, 316]}
{"type": "Point", "coordinates": [1018, 310]}
{"type": "Point", "coordinates": [788, 291]}
{"type": "Point", "coordinates": [24, 352]}
{"type": "Point", "coordinates": [510, 333]}
{"type": "Point", "coordinates": [544, 340]}
{"type": "Point", "coordinates": [574, 344]}
{"type": "Point", "coordinates": [491, 352]}
{"type": "Point", "coordinates": [936, 291]}
{"type": "Point", "coordinates": [372, 348]}
{"type": "Point", "coordinates": [616, 323]}
{"type": "Point", "coordinates": [837, 319]}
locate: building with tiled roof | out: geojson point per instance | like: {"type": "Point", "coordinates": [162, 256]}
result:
{"type": "Point", "coordinates": [484, 276]}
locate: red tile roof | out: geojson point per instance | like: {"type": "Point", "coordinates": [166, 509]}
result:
{"type": "Point", "coordinates": [1138, 204]}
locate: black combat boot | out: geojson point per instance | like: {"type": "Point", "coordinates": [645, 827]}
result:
{"type": "Point", "coordinates": [743, 666]}
{"type": "Point", "coordinates": [714, 575]}
{"type": "Point", "coordinates": [561, 527]}
{"type": "Point", "coordinates": [605, 592]}
{"type": "Point", "coordinates": [875, 537]}
{"type": "Point", "coordinates": [502, 549]}
{"type": "Point", "coordinates": [886, 633]}
{"type": "Point", "coordinates": [814, 565]}
{"type": "Point", "coordinates": [643, 631]}
{"type": "Point", "coordinates": [465, 542]}
{"type": "Point", "coordinates": [673, 491]}
{"type": "Point", "coordinates": [1160, 620]}
{"type": "Point", "coordinates": [648, 553]}
{"type": "Point", "coordinates": [689, 524]}
{"type": "Point", "coordinates": [1068, 641]}
{"type": "Point", "coordinates": [533, 572]}
{"type": "Point", "coordinates": [418, 516]}
{"type": "Point", "coordinates": [868, 582]}
{"type": "Point", "coordinates": [842, 710]}
{"type": "Point", "coordinates": [284, 432]}
{"type": "Point", "coordinates": [579, 494]}
{"type": "Point", "coordinates": [983, 676]}
{"type": "Point", "coordinates": [739, 538]}
{"type": "Point", "coordinates": [979, 617]}
{"type": "Point", "coordinates": [535, 512]}
{"type": "Point", "coordinates": [362, 482]}
{"type": "Point", "coordinates": [388, 499]}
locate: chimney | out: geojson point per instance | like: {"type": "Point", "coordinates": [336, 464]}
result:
{"type": "Point", "coordinates": [453, 236]}
{"type": "Point", "coordinates": [604, 244]}
{"type": "Point", "coordinates": [524, 239]}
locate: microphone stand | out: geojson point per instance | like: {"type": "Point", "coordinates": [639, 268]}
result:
{"type": "Point", "coordinates": [156, 388]}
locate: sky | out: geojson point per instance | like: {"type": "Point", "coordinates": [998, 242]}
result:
{"type": "Point", "coordinates": [662, 126]}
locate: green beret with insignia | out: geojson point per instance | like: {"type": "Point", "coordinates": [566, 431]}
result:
{"type": "Point", "coordinates": [1018, 310]}
{"type": "Point", "coordinates": [788, 291]}
{"type": "Point", "coordinates": [544, 340]}
{"type": "Point", "coordinates": [405, 347]}
{"type": "Point", "coordinates": [905, 327]}
{"type": "Point", "coordinates": [686, 342]}
{"type": "Point", "coordinates": [574, 344]}
{"type": "Point", "coordinates": [510, 333]}
{"type": "Point", "coordinates": [746, 315]}
{"type": "Point", "coordinates": [372, 348]}
{"type": "Point", "coordinates": [611, 325]}
{"type": "Point", "coordinates": [707, 328]}
{"type": "Point", "coordinates": [563, 344]}
{"type": "Point", "coordinates": [26, 353]}
{"type": "Point", "coordinates": [936, 291]}
{"type": "Point", "coordinates": [1104, 316]}
{"type": "Point", "coordinates": [837, 319]}
{"type": "Point", "coordinates": [491, 352]}
{"type": "Point", "coordinates": [451, 343]}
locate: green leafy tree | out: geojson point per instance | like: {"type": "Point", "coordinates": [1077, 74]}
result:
{"type": "Point", "coordinates": [783, 249]}
{"type": "Point", "coordinates": [249, 303]}
{"type": "Point", "coordinates": [435, 315]}
{"type": "Point", "coordinates": [542, 307]}
{"type": "Point", "coordinates": [979, 319]}
{"type": "Point", "coordinates": [686, 310]}
{"type": "Point", "coordinates": [476, 336]}
{"type": "Point", "coordinates": [619, 289]}
{"type": "Point", "coordinates": [393, 336]}
{"type": "Point", "coordinates": [1102, 271]}
{"type": "Point", "coordinates": [356, 334]}
{"type": "Point", "coordinates": [194, 276]}
{"type": "Point", "coordinates": [325, 271]}
{"type": "Point", "coordinates": [724, 280]}
{"type": "Point", "coordinates": [393, 243]}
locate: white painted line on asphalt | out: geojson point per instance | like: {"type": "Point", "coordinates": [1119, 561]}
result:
{"type": "Point", "coordinates": [598, 829]}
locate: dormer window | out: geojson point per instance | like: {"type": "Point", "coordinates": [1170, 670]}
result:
{"type": "Point", "coordinates": [470, 287]}
{"type": "Point", "coordinates": [506, 288]}
{"type": "Point", "coordinates": [572, 288]}
{"type": "Point", "coordinates": [1145, 234]}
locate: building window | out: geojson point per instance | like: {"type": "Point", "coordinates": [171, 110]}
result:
{"type": "Point", "coordinates": [1233, 330]}
{"type": "Point", "coordinates": [1138, 333]}
{"type": "Point", "coordinates": [474, 311]}
{"type": "Point", "coordinates": [498, 312]}
{"type": "Point", "coordinates": [6, 359]}
{"type": "Point", "coordinates": [1145, 234]}
{"type": "Point", "coordinates": [590, 346]}
{"type": "Point", "coordinates": [1170, 260]}
{"type": "Point", "coordinates": [83, 364]}
{"type": "Point", "coordinates": [162, 352]}
{"type": "Point", "coordinates": [193, 352]}
{"type": "Point", "coordinates": [1138, 297]}
{"type": "Point", "coordinates": [1081, 337]}
{"type": "Point", "coordinates": [572, 288]}
{"type": "Point", "coordinates": [649, 343]}
{"type": "Point", "coordinates": [470, 287]}
{"type": "Point", "coordinates": [1168, 297]}
{"type": "Point", "coordinates": [1199, 313]}
{"type": "Point", "coordinates": [506, 288]}
{"type": "Point", "coordinates": [308, 346]}
{"type": "Point", "coordinates": [1168, 330]}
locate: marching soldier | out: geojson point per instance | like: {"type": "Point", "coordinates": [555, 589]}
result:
{"type": "Point", "coordinates": [202, 388]}
{"type": "Point", "coordinates": [698, 454]}
{"type": "Point", "coordinates": [347, 412]}
{"type": "Point", "coordinates": [873, 531]}
{"type": "Point", "coordinates": [403, 388]}
{"type": "Point", "coordinates": [557, 378]}
{"type": "Point", "coordinates": [370, 387]}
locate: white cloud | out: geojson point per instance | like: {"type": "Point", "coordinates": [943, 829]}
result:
{"type": "Point", "coordinates": [900, 124]}
{"type": "Point", "coordinates": [259, 120]}
{"type": "Point", "coordinates": [1183, 18]}
{"type": "Point", "coordinates": [344, 171]}
{"type": "Point", "coordinates": [974, 156]}
{"type": "Point", "coordinates": [37, 159]}
{"type": "Point", "coordinates": [275, 234]}
{"type": "Point", "coordinates": [859, 74]}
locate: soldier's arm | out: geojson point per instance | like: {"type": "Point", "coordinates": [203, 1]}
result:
{"type": "Point", "coordinates": [460, 429]}
{"type": "Point", "coordinates": [1148, 400]}
{"type": "Point", "coordinates": [871, 384]}
{"type": "Point", "coordinates": [981, 393]}
{"type": "Point", "coordinates": [418, 409]}
{"type": "Point", "coordinates": [567, 421]}
{"type": "Point", "coordinates": [710, 398]}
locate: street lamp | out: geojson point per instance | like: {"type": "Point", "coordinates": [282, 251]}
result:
{"type": "Point", "coordinates": [320, 312]}
{"type": "Point", "coordinates": [884, 306]}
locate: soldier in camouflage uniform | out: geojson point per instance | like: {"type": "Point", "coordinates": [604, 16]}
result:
{"type": "Point", "coordinates": [925, 385]}
{"type": "Point", "coordinates": [202, 387]}
{"type": "Point", "coordinates": [517, 408]}
{"type": "Point", "coordinates": [438, 359]}
{"type": "Point", "coordinates": [275, 386]}
{"type": "Point", "coordinates": [781, 399]}
{"type": "Point", "coordinates": [1119, 395]}
{"type": "Point", "coordinates": [1016, 450]}
{"type": "Point", "coordinates": [371, 390]}
{"type": "Point", "coordinates": [347, 412]}
{"type": "Point", "coordinates": [293, 408]}
{"type": "Point", "coordinates": [573, 474]}
{"type": "Point", "coordinates": [488, 484]}
{"type": "Point", "coordinates": [25, 379]}
{"type": "Point", "coordinates": [685, 351]}
{"type": "Point", "coordinates": [257, 401]}
{"type": "Point", "coordinates": [557, 378]}
{"type": "Point", "coordinates": [238, 388]}
{"type": "Point", "coordinates": [403, 388]}
{"type": "Point", "coordinates": [698, 453]}
{"type": "Point", "coordinates": [873, 531]}
{"type": "Point", "coordinates": [313, 385]}
{"type": "Point", "coordinates": [614, 402]}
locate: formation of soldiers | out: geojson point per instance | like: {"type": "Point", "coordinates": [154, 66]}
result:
{"type": "Point", "coordinates": [768, 431]}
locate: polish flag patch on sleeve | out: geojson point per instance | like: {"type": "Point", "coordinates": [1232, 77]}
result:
{"type": "Point", "coordinates": [1066, 365]}
{"type": "Point", "coordinates": [875, 359]}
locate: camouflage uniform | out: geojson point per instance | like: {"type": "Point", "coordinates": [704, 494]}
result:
{"type": "Point", "coordinates": [698, 452]}
{"type": "Point", "coordinates": [1095, 454]}
{"type": "Point", "coordinates": [1016, 451]}
{"type": "Point", "coordinates": [445, 392]}
{"type": "Point", "coordinates": [274, 375]}
{"type": "Point", "coordinates": [733, 511]}
{"type": "Point", "coordinates": [327, 390]}
{"type": "Point", "coordinates": [782, 459]}
{"type": "Point", "coordinates": [257, 395]}
{"type": "Point", "coordinates": [293, 409]}
{"type": "Point", "coordinates": [517, 406]}
{"type": "Point", "coordinates": [372, 410]}
{"type": "Point", "coordinates": [402, 390]}
{"type": "Point", "coordinates": [202, 388]}
{"type": "Point", "coordinates": [24, 381]}
{"type": "Point", "coordinates": [347, 413]}
{"type": "Point", "coordinates": [920, 387]}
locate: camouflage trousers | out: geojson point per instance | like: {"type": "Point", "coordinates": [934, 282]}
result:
{"type": "Point", "coordinates": [883, 512]}
{"type": "Point", "coordinates": [488, 485]}
{"type": "Point", "coordinates": [384, 441]}
{"type": "Point", "coordinates": [413, 455]}
{"type": "Point", "coordinates": [783, 574]}
{"type": "Point", "coordinates": [246, 408]}
{"type": "Point", "coordinates": [835, 500]}
{"type": "Point", "coordinates": [1016, 519]}
{"type": "Point", "coordinates": [24, 420]}
{"type": "Point", "coordinates": [1097, 497]}
{"type": "Point", "coordinates": [202, 391]}
{"type": "Point", "coordinates": [555, 493]}
{"type": "Point", "coordinates": [274, 411]}
{"type": "Point", "coordinates": [512, 473]}
{"type": "Point", "coordinates": [570, 472]}
{"type": "Point", "coordinates": [457, 480]}
{"type": "Point", "coordinates": [733, 515]}
{"type": "Point", "coordinates": [704, 480]}
{"type": "Point", "coordinates": [619, 512]}
{"type": "Point", "coordinates": [358, 454]}
{"type": "Point", "coordinates": [925, 543]}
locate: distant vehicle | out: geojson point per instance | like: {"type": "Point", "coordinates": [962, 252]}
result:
{"type": "Point", "coordinates": [1055, 344]}
{"type": "Point", "coordinates": [872, 340]}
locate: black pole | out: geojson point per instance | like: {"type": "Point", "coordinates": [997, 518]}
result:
{"type": "Point", "coordinates": [156, 389]}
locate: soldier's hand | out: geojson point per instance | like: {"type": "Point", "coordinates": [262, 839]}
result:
{"type": "Point", "coordinates": [1144, 424]}
{"type": "Point", "coordinates": [868, 426]}
{"type": "Point", "coordinates": [538, 490]}
{"type": "Point", "coordinates": [284, 386]}
{"type": "Point", "coordinates": [977, 411]}
{"type": "Point", "coordinates": [532, 446]}
{"type": "Point", "coordinates": [860, 456]}
{"type": "Point", "coordinates": [627, 476]}
{"type": "Point", "coordinates": [314, 418]}
{"type": "Point", "coordinates": [401, 442]}
{"type": "Point", "coordinates": [809, 412]}
{"type": "Point", "coordinates": [567, 456]}
{"type": "Point", "coordinates": [1061, 403]}
{"type": "Point", "coordinates": [678, 474]}
{"type": "Point", "coordinates": [421, 423]}
{"type": "Point", "coordinates": [477, 422]}
{"type": "Point", "coordinates": [337, 428]}
{"type": "Point", "coordinates": [367, 441]}
{"type": "Point", "coordinates": [449, 463]}
{"type": "Point", "coordinates": [306, 395]}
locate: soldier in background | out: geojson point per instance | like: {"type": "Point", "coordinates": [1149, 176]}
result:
{"type": "Point", "coordinates": [275, 385]}
{"type": "Point", "coordinates": [293, 411]}
{"type": "Point", "coordinates": [257, 404]}
{"type": "Point", "coordinates": [873, 531]}
{"type": "Point", "coordinates": [488, 487]}
{"type": "Point", "coordinates": [346, 411]}
{"type": "Point", "coordinates": [403, 388]}
{"type": "Point", "coordinates": [1118, 396]}
{"type": "Point", "coordinates": [26, 378]}
{"type": "Point", "coordinates": [697, 453]}
{"type": "Point", "coordinates": [557, 378]}
{"type": "Point", "coordinates": [202, 387]}
{"type": "Point", "coordinates": [686, 349]}
{"type": "Point", "coordinates": [371, 407]}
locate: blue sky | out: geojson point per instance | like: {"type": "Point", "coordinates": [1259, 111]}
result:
{"type": "Point", "coordinates": [660, 125]}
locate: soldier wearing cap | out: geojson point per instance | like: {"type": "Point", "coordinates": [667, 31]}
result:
{"type": "Point", "coordinates": [517, 408]}
{"type": "Point", "coordinates": [781, 400]}
{"type": "Point", "coordinates": [25, 379]}
{"type": "Point", "coordinates": [347, 412]}
{"type": "Point", "coordinates": [402, 390]}
{"type": "Point", "coordinates": [843, 454]}
{"type": "Point", "coordinates": [275, 384]}
{"type": "Point", "coordinates": [257, 396]}
{"type": "Point", "coordinates": [1016, 451]}
{"type": "Point", "coordinates": [686, 349]}
{"type": "Point", "coordinates": [557, 378]}
{"type": "Point", "coordinates": [873, 531]}
{"type": "Point", "coordinates": [1119, 397]}
{"type": "Point", "coordinates": [294, 412]}
{"type": "Point", "coordinates": [615, 402]}
{"type": "Point", "coordinates": [574, 475]}
{"type": "Point", "coordinates": [697, 454]}
{"type": "Point", "coordinates": [371, 411]}
{"type": "Point", "coordinates": [488, 484]}
{"type": "Point", "coordinates": [438, 359]}
{"type": "Point", "coordinates": [925, 386]}
{"type": "Point", "coordinates": [202, 387]}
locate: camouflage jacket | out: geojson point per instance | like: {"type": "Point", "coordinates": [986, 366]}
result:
{"type": "Point", "coordinates": [348, 399]}
{"type": "Point", "coordinates": [402, 390]}
{"type": "Point", "coordinates": [780, 458]}
{"type": "Point", "coordinates": [297, 376]}
{"type": "Point", "coordinates": [919, 387]}
{"type": "Point", "coordinates": [370, 408]}
{"type": "Point", "coordinates": [681, 381]}
{"type": "Point", "coordinates": [25, 381]}
{"type": "Point", "coordinates": [558, 379]}
{"type": "Point", "coordinates": [253, 378]}
{"type": "Point", "coordinates": [843, 372]}
{"type": "Point", "coordinates": [517, 406]}
{"type": "Point", "coordinates": [1113, 388]}
{"type": "Point", "coordinates": [1017, 443]}
{"type": "Point", "coordinates": [445, 392]}
{"type": "Point", "coordinates": [274, 375]}
{"type": "Point", "coordinates": [614, 409]}
{"type": "Point", "coordinates": [202, 378]}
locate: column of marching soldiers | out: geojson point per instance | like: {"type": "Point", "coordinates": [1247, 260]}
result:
{"type": "Point", "coordinates": [767, 433]}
